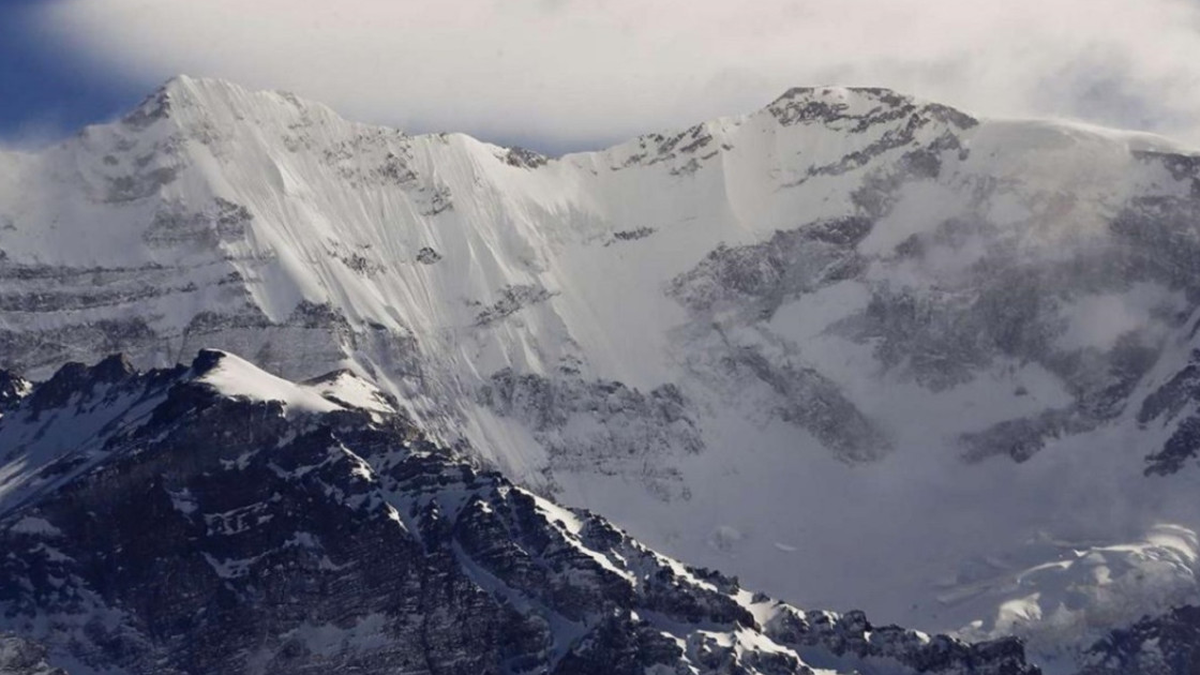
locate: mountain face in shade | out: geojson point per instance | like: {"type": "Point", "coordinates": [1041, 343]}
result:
{"type": "Point", "coordinates": [862, 350]}
{"type": "Point", "coordinates": [1162, 644]}
{"type": "Point", "coordinates": [218, 519]}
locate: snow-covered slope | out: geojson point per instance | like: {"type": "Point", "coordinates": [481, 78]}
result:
{"type": "Point", "coordinates": [861, 350]}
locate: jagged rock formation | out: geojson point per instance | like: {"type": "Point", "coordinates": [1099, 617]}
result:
{"type": "Point", "coordinates": [1162, 645]}
{"type": "Point", "coordinates": [216, 519]}
{"type": "Point", "coordinates": [12, 389]}
{"type": "Point", "coordinates": [604, 418]}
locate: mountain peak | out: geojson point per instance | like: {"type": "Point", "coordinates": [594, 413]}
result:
{"type": "Point", "coordinates": [215, 97]}
{"type": "Point", "coordinates": [836, 93]}
{"type": "Point", "coordinates": [201, 90]}
{"type": "Point", "coordinates": [235, 377]}
{"type": "Point", "coordinates": [831, 104]}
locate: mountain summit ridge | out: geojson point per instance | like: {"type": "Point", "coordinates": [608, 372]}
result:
{"type": "Point", "coordinates": [223, 94]}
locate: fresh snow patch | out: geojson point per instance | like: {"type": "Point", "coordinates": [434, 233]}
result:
{"type": "Point", "coordinates": [351, 390]}
{"type": "Point", "coordinates": [554, 512]}
{"type": "Point", "coordinates": [236, 377]}
{"type": "Point", "coordinates": [35, 525]}
{"type": "Point", "coordinates": [184, 501]}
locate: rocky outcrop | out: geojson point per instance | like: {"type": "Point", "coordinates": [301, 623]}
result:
{"type": "Point", "coordinates": [1160, 645]}
{"type": "Point", "coordinates": [12, 389]}
{"type": "Point", "coordinates": [512, 299]}
{"type": "Point", "coordinates": [756, 278]}
{"type": "Point", "coordinates": [1179, 394]}
{"type": "Point", "coordinates": [601, 426]}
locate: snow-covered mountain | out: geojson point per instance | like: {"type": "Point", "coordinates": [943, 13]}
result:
{"type": "Point", "coordinates": [218, 519]}
{"type": "Point", "coordinates": [859, 349]}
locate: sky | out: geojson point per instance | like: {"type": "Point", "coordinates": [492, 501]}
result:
{"type": "Point", "coordinates": [561, 75]}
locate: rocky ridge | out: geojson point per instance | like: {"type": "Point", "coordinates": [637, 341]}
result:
{"type": "Point", "coordinates": [214, 518]}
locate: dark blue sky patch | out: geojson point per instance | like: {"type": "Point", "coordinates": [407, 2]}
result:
{"type": "Point", "coordinates": [48, 92]}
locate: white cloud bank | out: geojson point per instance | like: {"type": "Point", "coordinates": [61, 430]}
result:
{"type": "Point", "coordinates": [575, 73]}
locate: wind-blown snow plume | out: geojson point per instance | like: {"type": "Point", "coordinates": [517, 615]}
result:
{"type": "Point", "coordinates": [565, 73]}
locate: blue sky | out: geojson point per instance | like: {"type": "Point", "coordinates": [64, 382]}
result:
{"type": "Point", "coordinates": [559, 75]}
{"type": "Point", "coordinates": [48, 92]}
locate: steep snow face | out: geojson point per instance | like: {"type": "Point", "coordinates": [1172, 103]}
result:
{"type": "Point", "coordinates": [846, 346]}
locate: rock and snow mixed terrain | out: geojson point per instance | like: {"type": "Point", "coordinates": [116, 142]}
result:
{"type": "Point", "coordinates": [217, 519]}
{"type": "Point", "coordinates": [861, 350]}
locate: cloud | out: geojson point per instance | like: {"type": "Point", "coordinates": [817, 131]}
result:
{"type": "Point", "coordinates": [576, 73]}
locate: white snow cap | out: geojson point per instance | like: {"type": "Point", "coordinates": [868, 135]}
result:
{"type": "Point", "coordinates": [238, 378]}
